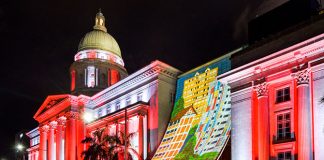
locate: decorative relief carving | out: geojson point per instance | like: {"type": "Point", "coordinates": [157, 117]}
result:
{"type": "Point", "coordinates": [51, 104]}
{"type": "Point", "coordinates": [72, 115]}
{"type": "Point", "coordinates": [140, 114]}
{"type": "Point", "coordinates": [53, 124]}
{"type": "Point", "coordinates": [61, 121]}
{"type": "Point", "coordinates": [302, 77]}
{"type": "Point", "coordinates": [44, 128]}
{"type": "Point", "coordinates": [262, 89]}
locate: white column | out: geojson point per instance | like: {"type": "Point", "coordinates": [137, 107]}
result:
{"type": "Point", "coordinates": [36, 155]}
{"type": "Point", "coordinates": [59, 138]}
{"type": "Point", "coordinates": [263, 122]}
{"type": "Point", "coordinates": [51, 141]}
{"type": "Point", "coordinates": [29, 155]}
{"type": "Point", "coordinates": [70, 137]}
{"type": "Point", "coordinates": [43, 142]}
{"type": "Point", "coordinates": [304, 138]}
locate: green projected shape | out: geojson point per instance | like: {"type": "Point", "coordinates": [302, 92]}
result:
{"type": "Point", "coordinates": [200, 121]}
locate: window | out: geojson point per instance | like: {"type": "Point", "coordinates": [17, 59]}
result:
{"type": "Point", "coordinates": [283, 95]}
{"type": "Point", "coordinates": [128, 101]}
{"type": "Point", "coordinates": [117, 105]}
{"type": "Point", "coordinates": [284, 156]}
{"type": "Point", "coordinates": [139, 97]}
{"type": "Point", "coordinates": [99, 112]}
{"type": "Point", "coordinates": [72, 80]}
{"type": "Point", "coordinates": [114, 76]}
{"type": "Point", "coordinates": [108, 109]}
{"type": "Point", "coordinates": [90, 76]}
{"type": "Point", "coordinates": [283, 126]}
{"type": "Point", "coordinates": [108, 77]}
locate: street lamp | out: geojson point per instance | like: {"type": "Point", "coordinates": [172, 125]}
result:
{"type": "Point", "coordinates": [20, 147]}
{"type": "Point", "coordinates": [88, 117]}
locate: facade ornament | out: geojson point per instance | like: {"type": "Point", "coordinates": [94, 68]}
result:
{"type": "Point", "coordinates": [53, 124]}
{"type": "Point", "coordinates": [262, 89]}
{"type": "Point", "coordinates": [141, 114]}
{"type": "Point", "coordinates": [302, 77]}
{"type": "Point", "coordinates": [61, 121]}
{"type": "Point", "coordinates": [44, 128]}
{"type": "Point", "coordinates": [72, 115]}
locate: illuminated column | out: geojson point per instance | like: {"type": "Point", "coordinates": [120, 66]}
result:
{"type": "Point", "coordinates": [81, 132]}
{"type": "Point", "coordinates": [29, 155]}
{"type": "Point", "coordinates": [70, 138]}
{"type": "Point", "coordinates": [263, 121]}
{"type": "Point", "coordinates": [36, 155]}
{"type": "Point", "coordinates": [51, 141]}
{"type": "Point", "coordinates": [33, 155]}
{"type": "Point", "coordinates": [140, 135]}
{"type": "Point", "coordinates": [43, 140]}
{"type": "Point", "coordinates": [304, 116]}
{"type": "Point", "coordinates": [59, 138]}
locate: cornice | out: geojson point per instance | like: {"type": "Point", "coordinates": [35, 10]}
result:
{"type": "Point", "coordinates": [143, 76]}
{"type": "Point", "coordinates": [284, 59]}
{"type": "Point", "coordinates": [33, 133]}
{"type": "Point", "coordinates": [140, 108]}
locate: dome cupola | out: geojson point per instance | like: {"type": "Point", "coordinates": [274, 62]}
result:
{"type": "Point", "coordinates": [98, 62]}
{"type": "Point", "coordinates": [103, 43]}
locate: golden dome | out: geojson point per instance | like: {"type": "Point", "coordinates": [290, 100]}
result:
{"type": "Point", "coordinates": [99, 38]}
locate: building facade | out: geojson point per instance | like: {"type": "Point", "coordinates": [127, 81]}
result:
{"type": "Point", "coordinates": [104, 96]}
{"type": "Point", "coordinates": [276, 104]}
{"type": "Point", "coordinates": [263, 102]}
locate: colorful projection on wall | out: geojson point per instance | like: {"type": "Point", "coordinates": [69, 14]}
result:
{"type": "Point", "coordinates": [200, 121]}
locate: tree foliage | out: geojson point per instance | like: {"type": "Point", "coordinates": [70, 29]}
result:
{"type": "Point", "coordinates": [109, 147]}
{"type": "Point", "coordinates": [178, 106]}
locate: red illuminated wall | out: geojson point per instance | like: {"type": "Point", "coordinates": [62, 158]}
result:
{"type": "Point", "coordinates": [114, 76]}
{"type": "Point", "coordinates": [72, 80]}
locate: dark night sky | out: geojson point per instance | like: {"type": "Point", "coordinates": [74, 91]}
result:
{"type": "Point", "coordinates": [38, 40]}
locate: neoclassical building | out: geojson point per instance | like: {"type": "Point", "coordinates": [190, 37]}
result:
{"type": "Point", "coordinates": [276, 108]}
{"type": "Point", "coordinates": [104, 96]}
{"type": "Point", "coordinates": [258, 102]}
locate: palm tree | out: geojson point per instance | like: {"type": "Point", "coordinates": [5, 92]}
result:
{"type": "Point", "coordinates": [109, 147]}
{"type": "Point", "coordinates": [117, 149]}
{"type": "Point", "coordinates": [97, 149]}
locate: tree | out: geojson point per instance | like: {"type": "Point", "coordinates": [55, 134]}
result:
{"type": "Point", "coordinates": [97, 149]}
{"type": "Point", "coordinates": [117, 149]}
{"type": "Point", "coordinates": [109, 147]}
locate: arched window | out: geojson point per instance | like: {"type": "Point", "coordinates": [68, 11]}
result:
{"type": "Point", "coordinates": [91, 76]}
{"type": "Point", "coordinates": [114, 76]}
{"type": "Point", "coordinates": [108, 77]}
{"type": "Point", "coordinates": [72, 80]}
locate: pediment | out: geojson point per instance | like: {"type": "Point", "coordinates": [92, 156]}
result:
{"type": "Point", "coordinates": [50, 102]}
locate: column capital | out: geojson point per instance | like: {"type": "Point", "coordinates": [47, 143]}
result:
{"type": "Point", "coordinates": [262, 89]}
{"type": "Point", "coordinates": [72, 115]}
{"type": "Point", "coordinates": [44, 128]}
{"type": "Point", "coordinates": [61, 121]}
{"type": "Point", "coordinates": [141, 114]}
{"type": "Point", "coordinates": [302, 77]}
{"type": "Point", "coordinates": [53, 125]}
